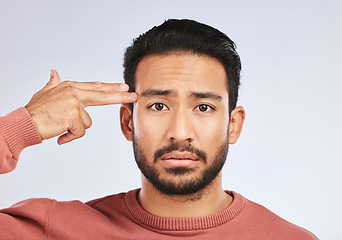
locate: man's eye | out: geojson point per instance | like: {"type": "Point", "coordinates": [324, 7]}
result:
{"type": "Point", "coordinates": [158, 106]}
{"type": "Point", "coordinates": [204, 108]}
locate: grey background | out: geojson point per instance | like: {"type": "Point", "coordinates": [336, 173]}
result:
{"type": "Point", "coordinates": [288, 157]}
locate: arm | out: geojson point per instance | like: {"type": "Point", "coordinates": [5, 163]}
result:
{"type": "Point", "coordinates": [56, 110]}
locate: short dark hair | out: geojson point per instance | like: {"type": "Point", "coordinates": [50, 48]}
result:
{"type": "Point", "coordinates": [186, 36]}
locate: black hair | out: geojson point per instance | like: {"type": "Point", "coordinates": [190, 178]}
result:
{"type": "Point", "coordinates": [189, 36]}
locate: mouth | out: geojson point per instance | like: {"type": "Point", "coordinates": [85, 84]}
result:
{"type": "Point", "coordinates": [179, 159]}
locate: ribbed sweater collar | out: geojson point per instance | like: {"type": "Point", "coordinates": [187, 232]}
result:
{"type": "Point", "coordinates": [184, 224]}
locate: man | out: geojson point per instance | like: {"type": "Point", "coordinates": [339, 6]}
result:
{"type": "Point", "coordinates": [181, 115]}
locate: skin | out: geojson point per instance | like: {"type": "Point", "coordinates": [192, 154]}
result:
{"type": "Point", "coordinates": [179, 113]}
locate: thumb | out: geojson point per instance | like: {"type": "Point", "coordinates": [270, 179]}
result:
{"type": "Point", "coordinates": [54, 80]}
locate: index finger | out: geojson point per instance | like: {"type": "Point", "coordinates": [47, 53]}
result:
{"type": "Point", "coordinates": [98, 86]}
{"type": "Point", "coordinates": [100, 98]}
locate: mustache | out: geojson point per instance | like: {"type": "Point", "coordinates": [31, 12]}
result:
{"type": "Point", "coordinates": [181, 148]}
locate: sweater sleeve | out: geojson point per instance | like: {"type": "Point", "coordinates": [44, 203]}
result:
{"type": "Point", "coordinates": [17, 131]}
{"type": "Point", "coordinates": [28, 219]}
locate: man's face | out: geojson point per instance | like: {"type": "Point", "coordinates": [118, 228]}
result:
{"type": "Point", "coordinates": [180, 122]}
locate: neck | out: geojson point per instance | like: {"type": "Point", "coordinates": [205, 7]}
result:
{"type": "Point", "coordinates": [207, 201]}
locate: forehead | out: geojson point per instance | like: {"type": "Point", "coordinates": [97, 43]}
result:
{"type": "Point", "coordinates": [180, 72]}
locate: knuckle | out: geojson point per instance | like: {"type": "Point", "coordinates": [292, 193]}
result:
{"type": "Point", "coordinates": [67, 83]}
{"type": "Point", "coordinates": [76, 131]}
{"type": "Point", "coordinates": [88, 124]}
{"type": "Point", "coordinates": [105, 95]}
{"type": "Point", "coordinates": [72, 92]}
{"type": "Point", "coordinates": [97, 85]}
{"type": "Point", "coordinates": [69, 87]}
{"type": "Point", "coordinates": [81, 132]}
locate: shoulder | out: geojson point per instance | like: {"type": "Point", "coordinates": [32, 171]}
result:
{"type": "Point", "coordinates": [44, 205]}
{"type": "Point", "coordinates": [38, 218]}
{"type": "Point", "coordinates": [42, 208]}
{"type": "Point", "coordinates": [110, 199]}
{"type": "Point", "coordinates": [263, 221]}
{"type": "Point", "coordinates": [32, 206]}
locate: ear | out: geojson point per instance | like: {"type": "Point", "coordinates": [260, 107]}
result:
{"type": "Point", "coordinates": [237, 117]}
{"type": "Point", "coordinates": [126, 121]}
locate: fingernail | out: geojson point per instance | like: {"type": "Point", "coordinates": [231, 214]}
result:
{"type": "Point", "coordinates": [134, 95]}
{"type": "Point", "coordinates": [124, 86]}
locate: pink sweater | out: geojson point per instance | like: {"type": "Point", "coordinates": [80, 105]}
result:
{"type": "Point", "coordinates": [120, 216]}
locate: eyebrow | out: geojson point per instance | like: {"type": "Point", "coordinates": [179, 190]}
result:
{"type": "Point", "coordinates": [209, 95]}
{"type": "Point", "coordinates": [159, 92]}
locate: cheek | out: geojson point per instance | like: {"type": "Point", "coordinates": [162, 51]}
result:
{"type": "Point", "coordinates": [148, 131]}
{"type": "Point", "coordinates": [214, 124]}
{"type": "Point", "coordinates": [212, 132]}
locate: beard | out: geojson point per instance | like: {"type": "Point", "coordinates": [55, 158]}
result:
{"type": "Point", "coordinates": [180, 183]}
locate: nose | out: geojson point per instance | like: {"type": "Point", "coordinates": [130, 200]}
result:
{"type": "Point", "coordinates": [181, 126]}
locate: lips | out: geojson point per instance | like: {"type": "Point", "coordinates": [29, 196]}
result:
{"type": "Point", "coordinates": [175, 155]}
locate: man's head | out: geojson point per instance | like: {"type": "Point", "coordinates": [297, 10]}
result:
{"type": "Point", "coordinates": [182, 123]}
{"type": "Point", "coordinates": [174, 36]}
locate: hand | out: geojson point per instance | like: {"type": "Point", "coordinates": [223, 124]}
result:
{"type": "Point", "coordinates": [58, 108]}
